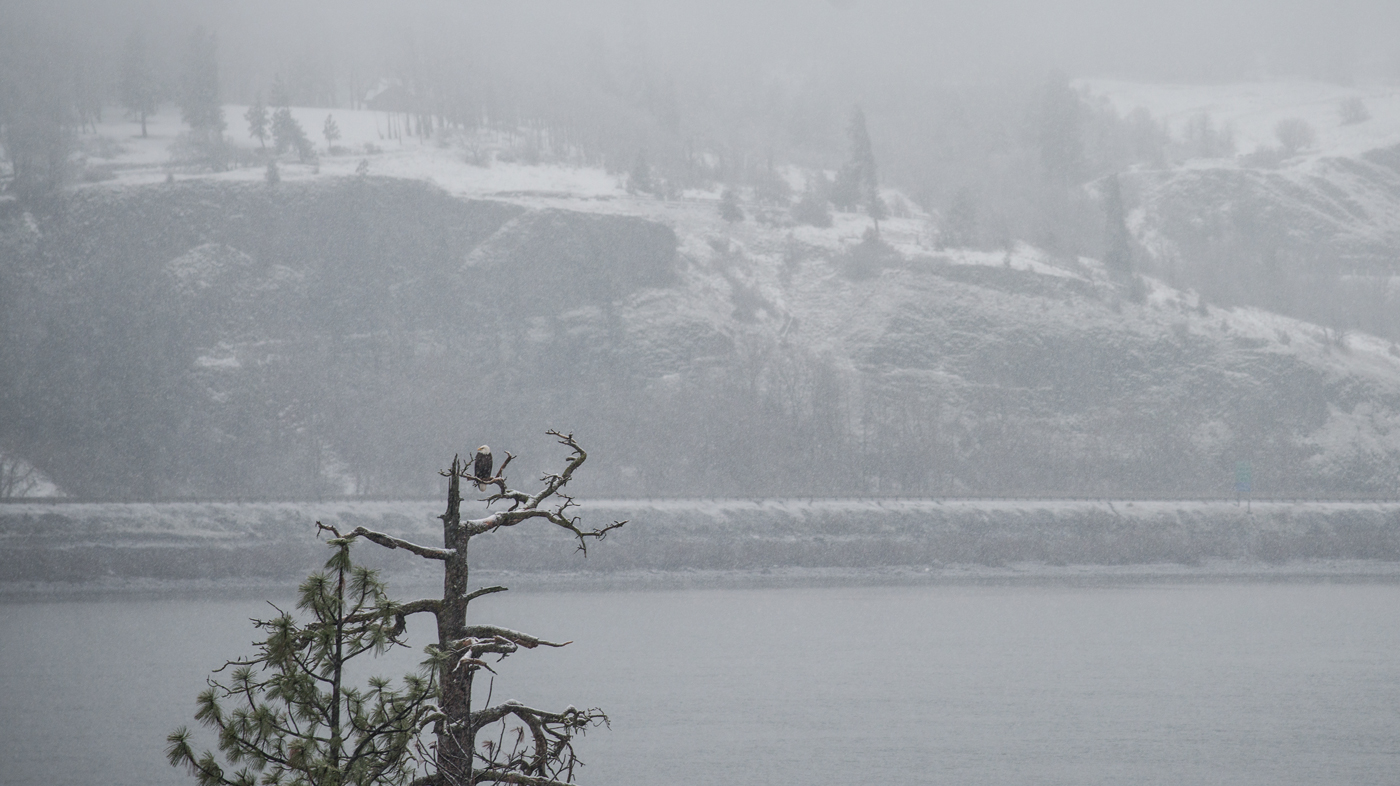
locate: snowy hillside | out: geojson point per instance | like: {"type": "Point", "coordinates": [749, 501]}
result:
{"type": "Point", "coordinates": [1253, 110]}
{"type": "Point", "coordinates": [1310, 228]}
{"type": "Point", "coordinates": [342, 331]}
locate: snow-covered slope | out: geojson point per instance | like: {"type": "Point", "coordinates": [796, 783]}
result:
{"type": "Point", "coordinates": [1258, 212]}
{"type": "Point", "coordinates": [458, 289]}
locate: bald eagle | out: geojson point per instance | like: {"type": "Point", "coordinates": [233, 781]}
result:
{"type": "Point", "coordinates": [482, 468]}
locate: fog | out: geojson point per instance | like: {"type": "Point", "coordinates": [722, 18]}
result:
{"type": "Point", "coordinates": [1005, 391]}
{"type": "Point", "coordinates": [777, 249]}
{"type": "Point", "coordinates": [862, 41]}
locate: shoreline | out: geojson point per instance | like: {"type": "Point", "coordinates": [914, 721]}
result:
{"type": "Point", "coordinates": [968, 575]}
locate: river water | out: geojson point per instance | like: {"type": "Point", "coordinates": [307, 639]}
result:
{"type": "Point", "coordinates": [1186, 683]}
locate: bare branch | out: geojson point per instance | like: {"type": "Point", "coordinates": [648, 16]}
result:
{"type": "Point", "coordinates": [509, 518]}
{"type": "Point", "coordinates": [389, 541]}
{"type": "Point", "coordinates": [471, 596]}
{"type": "Point", "coordinates": [499, 480]}
{"type": "Point", "coordinates": [481, 632]}
{"type": "Point", "coordinates": [503, 776]}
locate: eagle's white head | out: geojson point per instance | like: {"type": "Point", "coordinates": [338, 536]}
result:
{"type": "Point", "coordinates": [484, 449]}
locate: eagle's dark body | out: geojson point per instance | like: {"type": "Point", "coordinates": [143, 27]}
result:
{"type": "Point", "coordinates": [481, 468]}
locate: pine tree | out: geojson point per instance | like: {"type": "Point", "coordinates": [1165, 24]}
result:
{"type": "Point", "coordinates": [279, 97]}
{"type": "Point", "coordinates": [845, 189]}
{"type": "Point", "coordinates": [37, 118]}
{"type": "Point", "coordinates": [639, 179]}
{"type": "Point", "coordinates": [289, 714]}
{"type": "Point", "coordinates": [729, 208]}
{"type": "Point", "coordinates": [1118, 242]}
{"type": "Point", "coordinates": [330, 131]}
{"type": "Point", "coordinates": [288, 134]}
{"type": "Point", "coordinates": [1061, 130]}
{"type": "Point", "coordinates": [199, 94]}
{"type": "Point", "coordinates": [858, 182]}
{"type": "Point", "coordinates": [257, 121]}
{"type": "Point", "coordinates": [137, 84]}
{"type": "Point", "coordinates": [960, 222]}
{"type": "Point", "coordinates": [294, 720]}
{"type": "Point", "coordinates": [812, 207]}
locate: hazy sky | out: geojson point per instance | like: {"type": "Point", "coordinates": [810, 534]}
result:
{"type": "Point", "coordinates": [889, 39]}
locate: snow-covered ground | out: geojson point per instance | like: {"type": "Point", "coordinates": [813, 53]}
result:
{"type": "Point", "coordinates": [1253, 109]}
{"type": "Point", "coordinates": [833, 314]}
{"type": "Point", "coordinates": [479, 164]}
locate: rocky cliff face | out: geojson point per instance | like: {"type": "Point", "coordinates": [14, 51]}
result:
{"type": "Point", "coordinates": [347, 335]}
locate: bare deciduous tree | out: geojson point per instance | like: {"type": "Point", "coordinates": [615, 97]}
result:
{"type": "Point", "coordinates": [17, 477]}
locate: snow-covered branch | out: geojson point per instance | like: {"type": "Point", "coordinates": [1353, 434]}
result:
{"type": "Point", "coordinates": [390, 542]}
{"type": "Point", "coordinates": [532, 506]}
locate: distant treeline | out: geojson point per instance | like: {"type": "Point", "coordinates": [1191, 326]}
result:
{"type": "Point", "coordinates": [1019, 156]}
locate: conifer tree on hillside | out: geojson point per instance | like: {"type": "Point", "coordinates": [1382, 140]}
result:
{"type": "Point", "coordinates": [287, 133]}
{"type": "Point", "coordinates": [200, 106]}
{"type": "Point", "coordinates": [845, 188]}
{"type": "Point", "coordinates": [37, 118]}
{"type": "Point", "coordinates": [1061, 131]}
{"type": "Point", "coordinates": [1118, 242]}
{"type": "Point", "coordinates": [858, 182]}
{"type": "Point", "coordinates": [639, 179]}
{"type": "Point", "coordinates": [138, 87]}
{"type": "Point", "coordinates": [812, 208]}
{"type": "Point", "coordinates": [330, 131]}
{"type": "Point", "coordinates": [959, 228]}
{"type": "Point", "coordinates": [257, 121]}
{"type": "Point", "coordinates": [729, 208]}
{"type": "Point", "coordinates": [279, 96]}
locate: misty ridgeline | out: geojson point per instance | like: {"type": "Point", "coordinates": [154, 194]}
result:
{"type": "Point", "coordinates": [224, 273]}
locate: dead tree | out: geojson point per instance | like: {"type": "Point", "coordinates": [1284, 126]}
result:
{"type": "Point", "coordinates": [507, 742]}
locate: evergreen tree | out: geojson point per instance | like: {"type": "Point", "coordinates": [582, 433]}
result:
{"type": "Point", "coordinates": [639, 178]}
{"type": "Point", "coordinates": [1061, 131]}
{"type": "Point", "coordinates": [771, 188]}
{"type": "Point", "coordinates": [257, 121]}
{"type": "Point", "coordinates": [200, 108]}
{"type": "Point", "coordinates": [287, 134]}
{"type": "Point", "coordinates": [330, 131]}
{"type": "Point", "coordinates": [1118, 242]}
{"type": "Point", "coordinates": [279, 97]}
{"type": "Point", "coordinates": [858, 182]}
{"type": "Point", "coordinates": [812, 207]}
{"type": "Point", "coordinates": [289, 714]}
{"type": "Point", "coordinates": [137, 83]}
{"type": "Point", "coordinates": [729, 208]}
{"type": "Point", "coordinates": [271, 174]}
{"type": "Point", "coordinates": [845, 189]}
{"type": "Point", "coordinates": [37, 121]}
{"type": "Point", "coordinates": [875, 207]}
{"type": "Point", "coordinates": [960, 222]}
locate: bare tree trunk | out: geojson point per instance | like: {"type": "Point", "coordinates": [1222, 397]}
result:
{"type": "Point", "coordinates": [547, 758]}
{"type": "Point", "coordinates": [454, 744]}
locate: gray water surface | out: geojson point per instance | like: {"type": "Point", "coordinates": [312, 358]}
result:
{"type": "Point", "coordinates": [1150, 684]}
